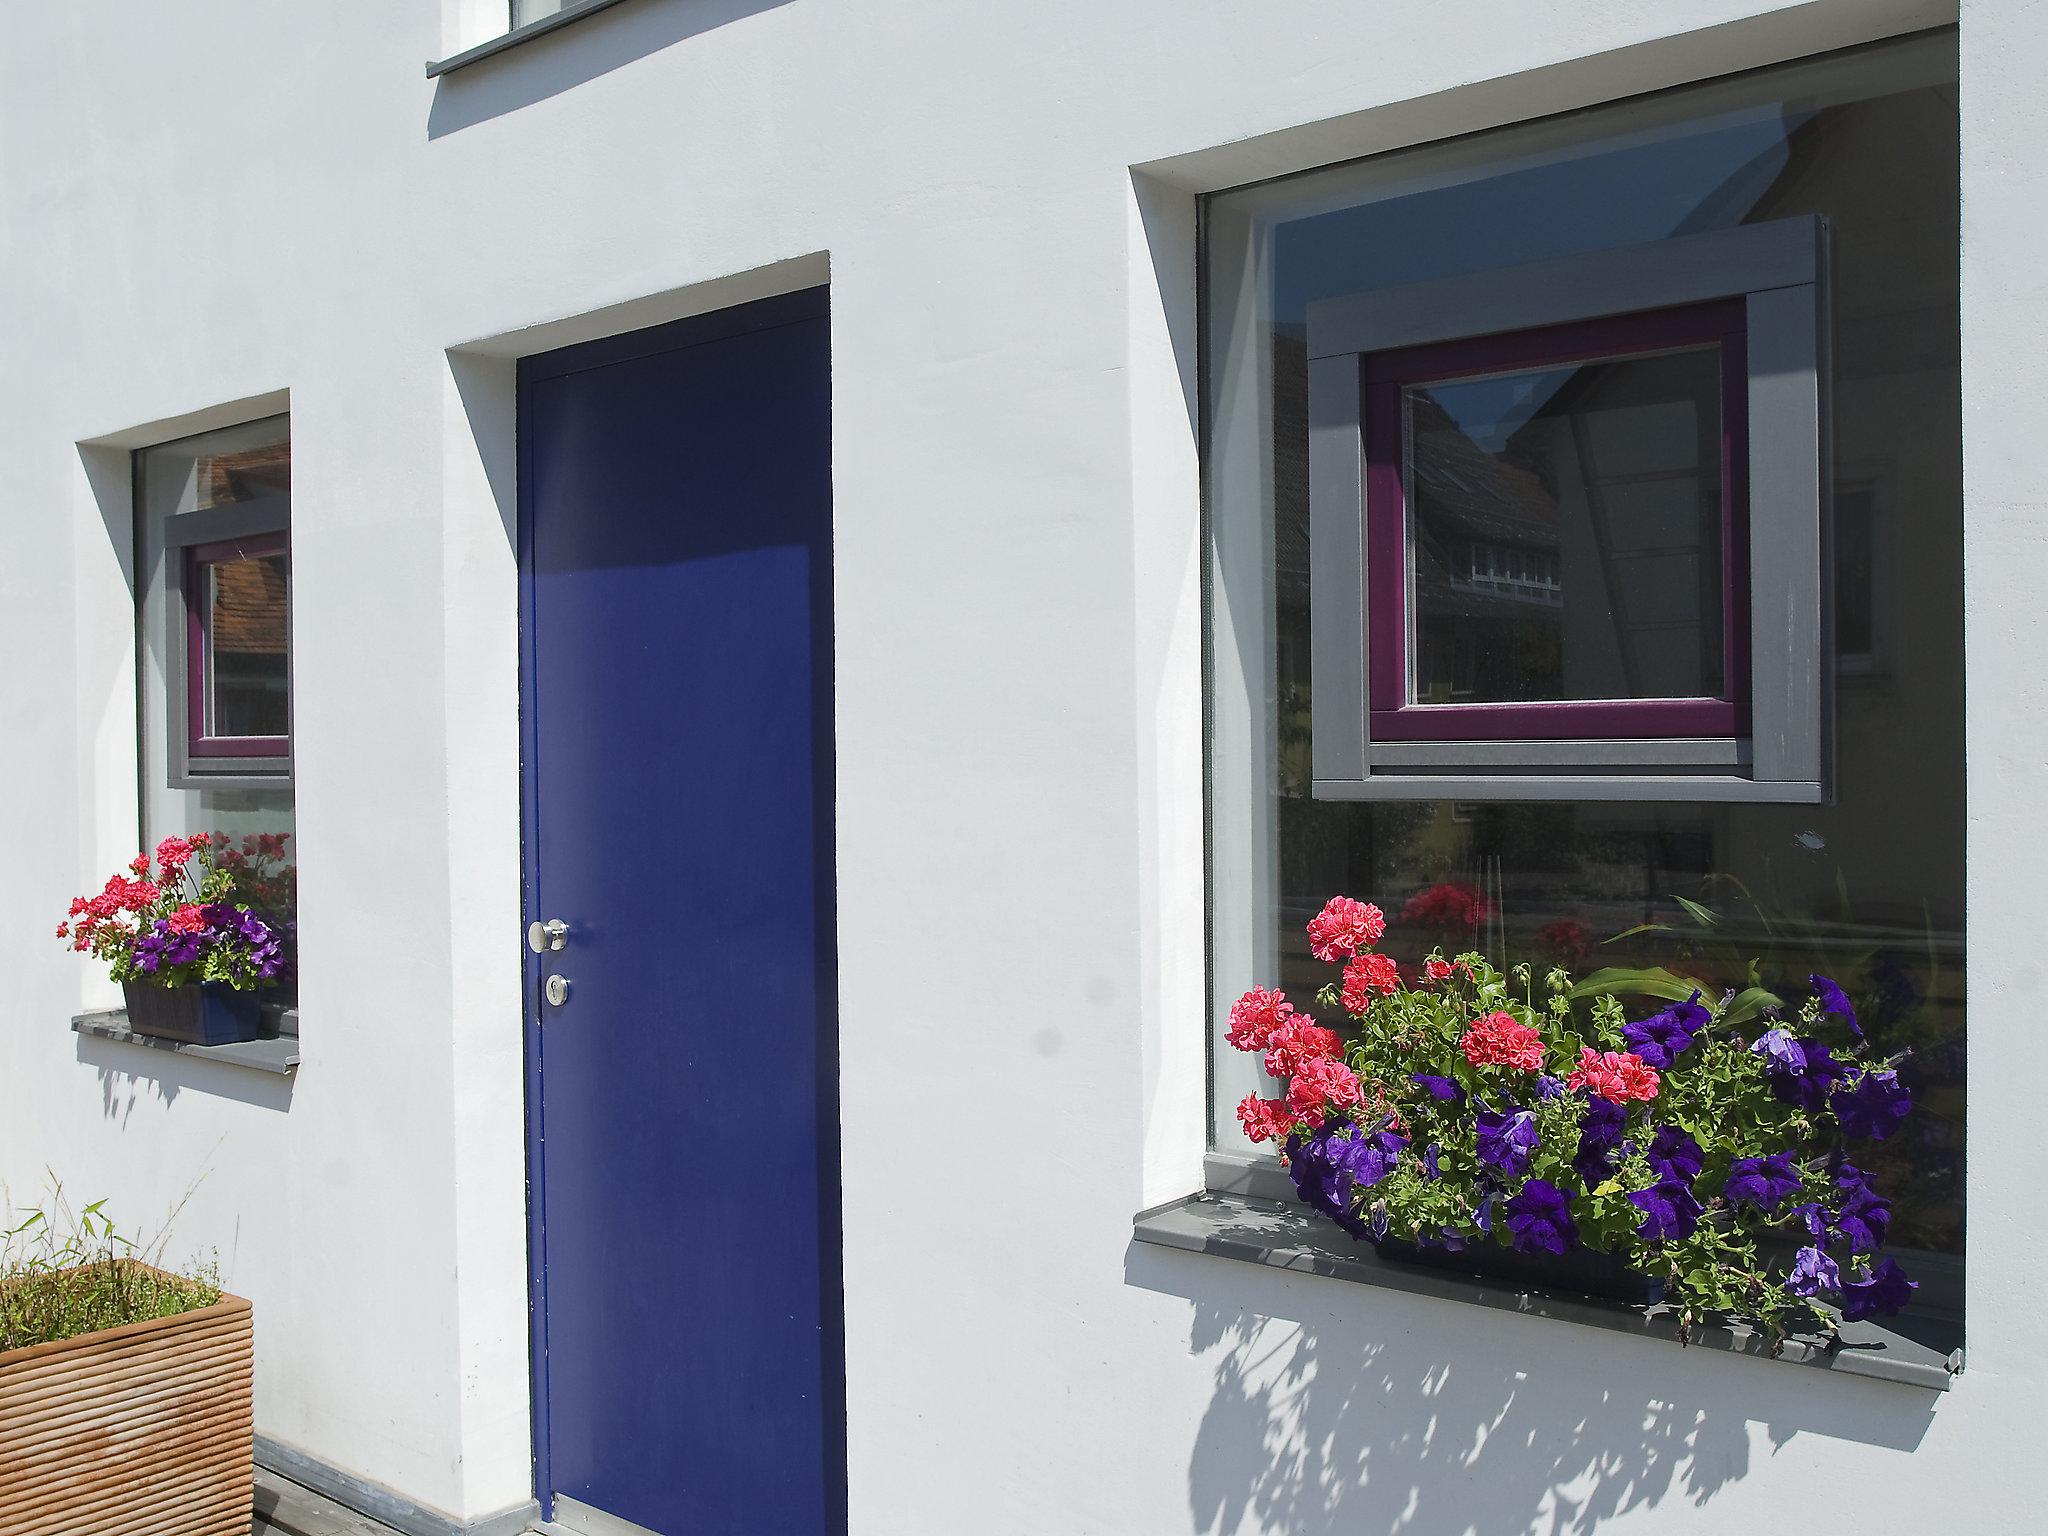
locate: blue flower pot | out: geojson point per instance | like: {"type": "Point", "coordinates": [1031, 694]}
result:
{"type": "Point", "coordinates": [1582, 1271]}
{"type": "Point", "coordinates": [210, 1013]}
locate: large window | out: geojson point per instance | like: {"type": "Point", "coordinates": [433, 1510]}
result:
{"type": "Point", "coordinates": [1561, 531]}
{"type": "Point", "coordinates": [213, 652]}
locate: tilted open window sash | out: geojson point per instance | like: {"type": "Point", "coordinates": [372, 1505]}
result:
{"type": "Point", "coordinates": [1567, 532]}
{"type": "Point", "coordinates": [228, 583]}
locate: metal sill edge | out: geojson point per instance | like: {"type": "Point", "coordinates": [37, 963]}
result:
{"type": "Point", "coordinates": [279, 1054]}
{"type": "Point", "coordinates": [1285, 1237]}
{"type": "Point", "coordinates": [518, 35]}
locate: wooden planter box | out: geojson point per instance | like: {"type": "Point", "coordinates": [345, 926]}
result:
{"type": "Point", "coordinates": [142, 1430]}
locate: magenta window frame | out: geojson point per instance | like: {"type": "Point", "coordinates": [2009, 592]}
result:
{"type": "Point", "coordinates": [197, 558]}
{"type": "Point", "coordinates": [1392, 715]}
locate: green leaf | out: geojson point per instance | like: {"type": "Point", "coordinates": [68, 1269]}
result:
{"type": "Point", "coordinates": [1706, 917]}
{"type": "Point", "coordinates": [1646, 981]}
{"type": "Point", "coordinates": [1750, 1002]}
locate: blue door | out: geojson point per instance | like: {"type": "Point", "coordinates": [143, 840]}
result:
{"type": "Point", "coordinates": [675, 543]}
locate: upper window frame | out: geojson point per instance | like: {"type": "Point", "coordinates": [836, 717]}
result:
{"type": "Point", "coordinates": [192, 540]}
{"type": "Point", "coordinates": [1770, 275]}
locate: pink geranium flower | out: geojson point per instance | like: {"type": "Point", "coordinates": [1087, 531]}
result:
{"type": "Point", "coordinates": [1344, 927]}
{"type": "Point", "coordinates": [1322, 1084]}
{"type": "Point", "coordinates": [1616, 1075]}
{"type": "Point", "coordinates": [1265, 1119]}
{"type": "Point", "coordinates": [1369, 976]}
{"type": "Point", "coordinates": [1502, 1040]}
{"type": "Point", "coordinates": [1297, 1042]}
{"type": "Point", "coordinates": [1255, 1016]}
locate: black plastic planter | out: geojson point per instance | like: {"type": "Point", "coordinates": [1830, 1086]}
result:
{"type": "Point", "coordinates": [1582, 1271]}
{"type": "Point", "coordinates": [208, 1014]}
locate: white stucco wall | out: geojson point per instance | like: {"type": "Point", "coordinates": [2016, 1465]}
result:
{"type": "Point", "coordinates": [206, 203]}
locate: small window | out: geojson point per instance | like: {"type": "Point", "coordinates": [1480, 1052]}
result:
{"type": "Point", "coordinates": [1555, 555]}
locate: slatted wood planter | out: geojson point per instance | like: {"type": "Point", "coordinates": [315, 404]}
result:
{"type": "Point", "coordinates": [143, 1430]}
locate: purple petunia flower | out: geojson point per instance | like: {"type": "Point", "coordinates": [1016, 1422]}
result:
{"type": "Point", "coordinates": [1813, 1272]}
{"type": "Point", "coordinates": [1674, 1156]}
{"type": "Point", "coordinates": [1835, 1001]}
{"type": "Point", "coordinates": [1663, 1036]}
{"type": "Point", "coordinates": [1883, 1291]}
{"type": "Point", "coordinates": [1764, 1182]}
{"type": "Point", "coordinates": [1872, 1106]}
{"type": "Point", "coordinates": [1507, 1140]}
{"type": "Point", "coordinates": [1599, 1134]}
{"type": "Point", "coordinates": [1816, 1220]}
{"type": "Point", "coordinates": [1548, 1087]}
{"type": "Point", "coordinates": [1439, 1087]}
{"type": "Point", "coordinates": [1864, 1219]}
{"type": "Point", "coordinates": [1327, 1166]}
{"type": "Point", "coordinates": [1319, 1180]}
{"type": "Point", "coordinates": [1800, 1072]}
{"type": "Point", "coordinates": [1429, 1163]}
{"type": "Point", "coordinates": [1670, 1211]}
{"type": "Point", "coordinates": [1541, 1220]}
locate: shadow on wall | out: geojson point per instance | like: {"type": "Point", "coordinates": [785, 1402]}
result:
{"type": "Point", "coordinates": [126, 1072]}
{"type": "Point", "coordinates": [571, 55]}
{"type": "Point", "coordinates": [1340, 1408]}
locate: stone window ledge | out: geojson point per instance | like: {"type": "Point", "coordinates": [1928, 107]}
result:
{"type": "Point", "coordinates": [279, 1054]}
{"type": "Point", "coordinates": [574, 11]}
{"type": "Point", "coordinates": [1280, 1236]}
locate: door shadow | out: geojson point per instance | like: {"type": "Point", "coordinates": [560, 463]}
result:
{"type": "Point", "coordinates": [1342, 1408]}
{"type": "Point", "coordinates": [569, 56]}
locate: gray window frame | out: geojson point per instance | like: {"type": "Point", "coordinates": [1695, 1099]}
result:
{"type": "Point", "coordinates": [1779, 270]}
{"type": "Point", "coordinates": [209, 525]}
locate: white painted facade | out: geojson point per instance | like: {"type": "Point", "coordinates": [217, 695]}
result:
{"type": "Point", "coordinates": [208, 211]}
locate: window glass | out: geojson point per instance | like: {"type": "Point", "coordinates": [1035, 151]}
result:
{"type": "Point", "coordinates": [1569, 547]}
{"type": "Point", "coordinates": [1565, 532]}
{"type": "Point", "coordinates": [244, 610]}
{"type": "Point", "coordinates": [244, 679]}
{"type": "Point", "coordinates": [524, 11]}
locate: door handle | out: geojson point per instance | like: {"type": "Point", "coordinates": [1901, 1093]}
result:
{"type": "Point", "coordinates": [550, 935]}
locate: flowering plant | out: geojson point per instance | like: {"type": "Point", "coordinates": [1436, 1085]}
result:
{"type": "Point", "coordinates": [1469, 1109]}
{"type": "Point", "coordinates": [181, 922]}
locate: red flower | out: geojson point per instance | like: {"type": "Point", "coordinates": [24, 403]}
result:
{"type": "Point", "coordinates": [1344, 927]}
{"type": "Point", "coordinates": [1434, 969]}
{"type": "Point", "coordinates": [1616, 1075]}
{"type": "Point", "coordinates": [187, 919]}
{"type": "Point", "coordinates": [1366, 976]}
{"type": "Point", "coordinates": [1255, 1016]}
{"type": "Point", "coordinates": [1567, 941]}
{"type": "Point", "coordinates": [1502, 1040]}
{"type": "Point", "coordinates": [1447, 905]}
{"type": "Point", "coordinates": [1264, 1119]}
{"type": "Point", "coordinates": [1297, 1042]}
{"type": "Point", "coordinates": [1322, 1084]}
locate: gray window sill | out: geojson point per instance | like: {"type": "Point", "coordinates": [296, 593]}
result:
{"type": "Point", "coordinates": [279, 1055]}
{"type": "Point", "coordinates": [1285, 1236]}
{"type": "Point", "coordinates": [518, 35]}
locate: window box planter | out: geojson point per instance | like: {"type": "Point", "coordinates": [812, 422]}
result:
{"type": "Point", "coordinates": [145, 1427]}
{"type": "Point", "coordinates": [1581, 1272]}
{"type": "Point", "coordinates": [205, 1013]}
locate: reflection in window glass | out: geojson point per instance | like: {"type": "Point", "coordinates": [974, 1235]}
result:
{"type": "Point", "coordinates": [244, 622]}
{"type": "Point", "coordinates": [245, 611]}
{"type": "Point", "coordinates": [1868, 889]}
{"type": "Point", "coordinates": [1565, 533]}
